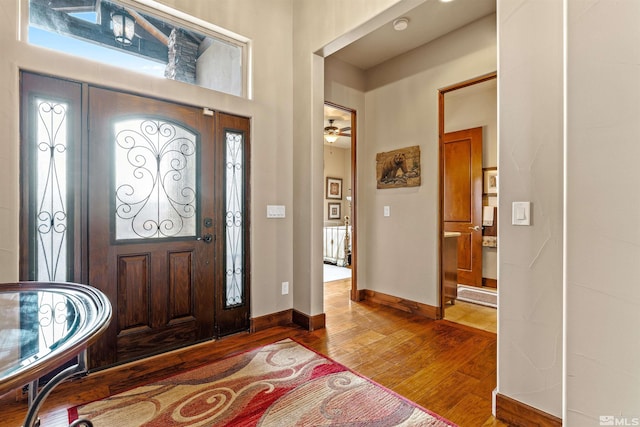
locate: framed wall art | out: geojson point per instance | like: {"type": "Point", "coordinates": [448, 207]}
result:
{"type": "Point", "coordinates": [334, 188]}
{"type": "Point", "coordinates": [334, 211]}
{"type": "Point", "coordinates": [398, 168]}
{"type": "Point", "coordinates": [490, 178]}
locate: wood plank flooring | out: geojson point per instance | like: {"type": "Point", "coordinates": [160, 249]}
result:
{"type": "Point", "coordinates": [445, 367]}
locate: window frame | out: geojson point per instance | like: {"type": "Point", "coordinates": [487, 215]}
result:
{"type": "Point", "coordinates": [174, 17]}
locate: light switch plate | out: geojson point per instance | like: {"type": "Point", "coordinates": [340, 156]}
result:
{"type": "Point", "coordinates": [521, 213]}
{"type": "Point", "coordinates": [275, 211]}
{"type": "Point", "coordinates": [387, 211]}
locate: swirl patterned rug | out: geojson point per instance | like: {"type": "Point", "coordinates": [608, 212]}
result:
{"type": "Point", "coordinates": [281, 384]}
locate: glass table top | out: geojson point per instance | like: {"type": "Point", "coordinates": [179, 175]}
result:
{"type": "Point", "coordinates": [42, 325]}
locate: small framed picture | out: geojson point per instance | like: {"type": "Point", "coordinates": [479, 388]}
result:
{"type": "Point", "coordinates": [334, 211]}
{"type": "Point", "coordinates": [490, 180]}
{"type": "Point", "coordinates": [334, 188]}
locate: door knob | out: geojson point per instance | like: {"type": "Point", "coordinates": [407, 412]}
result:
{"type": "Point", "coordinates": [207, 238]}
{"type": "Point", "coordinates": [475, 228]}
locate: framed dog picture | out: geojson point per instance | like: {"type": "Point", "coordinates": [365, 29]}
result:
{"type": "Point", "coordinates": [334, 188]}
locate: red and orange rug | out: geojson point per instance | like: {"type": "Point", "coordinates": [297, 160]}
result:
{"type": "Point", "coordinates": [281, 384]}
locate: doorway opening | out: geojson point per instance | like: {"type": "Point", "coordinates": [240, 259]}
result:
{"type": "Point", "coordinates": [340, 218]}
{"type": "Point", "coordinates": [468, 204]}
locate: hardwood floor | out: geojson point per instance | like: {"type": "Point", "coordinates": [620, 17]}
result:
{"type": "Point", "coordinates": [446, 367]}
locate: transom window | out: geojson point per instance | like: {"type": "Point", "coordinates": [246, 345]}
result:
{"type": "Point", "coordinates": [140, 40]}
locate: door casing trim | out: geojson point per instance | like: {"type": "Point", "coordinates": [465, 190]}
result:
{"type": "Point", "coordinates": [441, 93]}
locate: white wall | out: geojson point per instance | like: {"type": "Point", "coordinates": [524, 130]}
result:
{"type": "Point", "coordinates": [475, 106]}
{"type": "Point", "coordinates": [603, 208]}
{"type": "Point", "coordinates": [530, 103]}
{"type": "Point", "coordinates": [401, 110]}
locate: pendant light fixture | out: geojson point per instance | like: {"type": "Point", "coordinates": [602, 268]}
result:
{"type": "Point", "coordinates": [331, 133]}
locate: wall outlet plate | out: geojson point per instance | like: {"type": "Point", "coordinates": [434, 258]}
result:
{"type": "Point", "coordinates": [275, 211]}
{"type": "Point", "coordinates": [285, 288]}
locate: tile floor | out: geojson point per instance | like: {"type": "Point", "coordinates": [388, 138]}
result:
{"type": "Point", "coordinates": [474, 315]}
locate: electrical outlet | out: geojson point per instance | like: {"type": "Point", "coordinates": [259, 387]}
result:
{"type": "Point", "coordinates": [285, 288]}
{"type": "Point", "coordinates": [275, 211]}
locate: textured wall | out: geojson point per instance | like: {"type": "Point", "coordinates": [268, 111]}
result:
{"type": "Point", "coordinates": [530, 165]}
{"type": "Point", "coordinates": [603, 207]}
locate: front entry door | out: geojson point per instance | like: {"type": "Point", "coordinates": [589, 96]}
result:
{"type": "Point", "coordinates": [153, 222]}
{"type": "Point", "coordinates": [462, 176]}
{"type": "Point", "coordinates": [146, 200]}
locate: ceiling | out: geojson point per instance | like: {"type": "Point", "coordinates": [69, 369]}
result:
{"type": "Point", "coordinates": [427, 22]}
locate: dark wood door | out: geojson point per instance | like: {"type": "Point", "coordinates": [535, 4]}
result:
{"type": "Point", "coordinates": [462, 212]}
{"type": "Point", "coordinates": [152, 223]}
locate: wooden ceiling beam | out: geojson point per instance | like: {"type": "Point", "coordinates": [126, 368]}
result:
{"type": "Point", "coordinates": [60, 22]}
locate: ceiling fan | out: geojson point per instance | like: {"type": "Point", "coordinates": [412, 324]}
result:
{"type": "Point", "coordinates": [331, 132]}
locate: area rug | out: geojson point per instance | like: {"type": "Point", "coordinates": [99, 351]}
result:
{"type": "Point", "coordinates": [281, 384]}
{"type": "Point", "coordinates": [333, 273]}
{"type": "Point", "coordinates": [476, 295]}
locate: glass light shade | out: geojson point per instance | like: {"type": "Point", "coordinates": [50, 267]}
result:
{"type": "Point", "coordinates": [123, 27]}
{"type": "Point", "coordinates": [331, 133]}
{"type": "Point", "coordinates": [331, 138]}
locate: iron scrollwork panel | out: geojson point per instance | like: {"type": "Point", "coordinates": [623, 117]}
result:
{"type": "Point", "coordinates": [234, 214]}
{"type": "Point", "coordinates": [155, 180]}
{"type": "Point", "coordinates": [51, 193]}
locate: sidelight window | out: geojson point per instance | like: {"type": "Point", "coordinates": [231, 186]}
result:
{"type": "Point", "coordinates": [50, 152]}
{"type": "Point", "coordinates": [234, 218]}
{"type": "Point", "coordinates": [50, 227]}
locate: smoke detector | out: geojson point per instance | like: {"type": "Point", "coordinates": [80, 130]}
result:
{"type": "Point", "coordinates": [401, 24]}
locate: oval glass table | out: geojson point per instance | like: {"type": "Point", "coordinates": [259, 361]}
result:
{"type": "Point", "coordinates": [43, 325]}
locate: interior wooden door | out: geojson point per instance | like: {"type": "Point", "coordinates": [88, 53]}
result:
{"type": "Point", "coordinates": [152, 223]}
{"type": "Point", "coordinates": [462, 208]}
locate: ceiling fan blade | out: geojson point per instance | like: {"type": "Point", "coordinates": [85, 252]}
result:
{"type": "Point", "coordinates": [345, 129]}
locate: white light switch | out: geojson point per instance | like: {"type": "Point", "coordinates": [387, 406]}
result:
{"type": "Point", "coordinates": [521, 213]}
{"type": "Point", "coordinates": [387, 211]}
{"type": "Point", "coordinates": [275, 211]}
